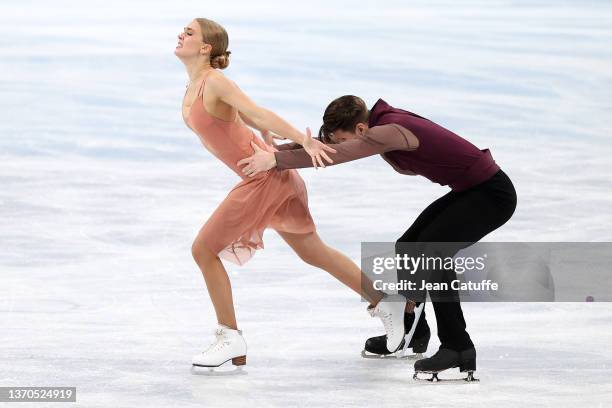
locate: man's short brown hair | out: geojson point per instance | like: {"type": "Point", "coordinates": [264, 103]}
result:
{"type": "Point", "coordinates": [343, 113]}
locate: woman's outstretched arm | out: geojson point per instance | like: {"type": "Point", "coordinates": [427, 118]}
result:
{"type": "Point", "coordinates": [262, 118]}
{"type": "Point", "coordinates": [267, 136]}
{"type": "Point", "coordinates": [249, 122]}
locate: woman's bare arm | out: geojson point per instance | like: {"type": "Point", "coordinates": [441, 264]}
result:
{"type": "Point", "coordinates": [249, 122]}
{"type": "Point", "coordinates": [261, 118]}
{"type": "Point", "coordinates": [228, 92]}
{"type": "Point", "coordinates": [267, 136]}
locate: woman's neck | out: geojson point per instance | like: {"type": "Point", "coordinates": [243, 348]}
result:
{"type": "Point", "coordinates": [197, 72]}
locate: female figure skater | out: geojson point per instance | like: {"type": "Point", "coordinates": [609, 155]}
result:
{"type": "Point", "coordinates": [217, 111]}
{"type": "Point", "coordinates": [482, 199]}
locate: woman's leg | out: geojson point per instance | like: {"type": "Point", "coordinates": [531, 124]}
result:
{"type": "Point", "coordinates": [217, 282]}
{"type": "Point", "coordinates": [315, 252]}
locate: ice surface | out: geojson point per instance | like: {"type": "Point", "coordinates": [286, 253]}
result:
{"type": "Point", "coordinates": [103, 189]}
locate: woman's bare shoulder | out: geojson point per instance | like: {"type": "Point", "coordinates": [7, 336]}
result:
{"type": "Point", "coordinates": [217, 79]}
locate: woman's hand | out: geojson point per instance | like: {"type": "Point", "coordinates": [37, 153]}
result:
{"type": "Point", "coordinates": [269, 137]}
{"type": "Point", "coordinates": [316, 150]}
{"type": "Point", "coordinates": [261, 161]}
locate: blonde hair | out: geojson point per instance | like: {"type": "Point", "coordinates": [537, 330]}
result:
{"type": "Point", "coordinates": [215, 35]}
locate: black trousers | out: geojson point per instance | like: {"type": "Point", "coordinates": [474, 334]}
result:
{"type": "Point", "coordinates": [462, 217]}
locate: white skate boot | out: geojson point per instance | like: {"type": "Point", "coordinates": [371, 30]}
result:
{"type": "Point", "coordinates": [390, 310]}
{"type": "Point", "coordinates": [228, 345]}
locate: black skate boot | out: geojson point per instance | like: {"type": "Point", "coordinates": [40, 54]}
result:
{"type": "Point", "coordinates": [376, 347]}
{"type": "Point", "coordinates": [445, 359]}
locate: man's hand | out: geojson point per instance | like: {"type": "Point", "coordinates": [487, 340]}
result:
{"type": "Point", "coordinates": [316, 150]}
{"type": "Point", "coordinates": [260, 161]}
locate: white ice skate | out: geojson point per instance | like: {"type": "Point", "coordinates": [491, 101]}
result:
{"type": "Point", "coordinates": [228, 345]}
{"type": "Point", "coordinates": [390, 310]}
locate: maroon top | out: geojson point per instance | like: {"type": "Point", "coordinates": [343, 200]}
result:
{"type": "Point", "coordinates": [441, 156]}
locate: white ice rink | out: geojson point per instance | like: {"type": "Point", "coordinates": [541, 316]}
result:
{"type": "Point", "coordinates": [103, 189]}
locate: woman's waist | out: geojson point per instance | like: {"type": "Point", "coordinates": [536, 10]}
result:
{"type": "Point", "coordinates": [230, 153]}
{"type": "Point", "coordinates": [232, 146]}
{"type": "Point", "coordinates": [281, 177]}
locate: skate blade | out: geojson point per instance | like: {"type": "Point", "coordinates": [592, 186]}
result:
{"type": "Point", "coordinates": [433, 379]}
{"type": "Point", "coordinates": [222, 370]}
{"type": "Point", "coordinates": [217, 371]}
{"type": "Point", "coordinates": [393, 356]}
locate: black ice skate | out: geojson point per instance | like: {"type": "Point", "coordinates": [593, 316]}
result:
{"type": "Point", "coordinates": [376, 347]}
{"type": "Point", "coordinates": [445, 359]}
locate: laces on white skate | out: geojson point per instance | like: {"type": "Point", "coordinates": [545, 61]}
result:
{"type": "Point", "coordinates": [390, 309]}
{"type": "Point", "coordinates": [217, 332]}
{"type": "Point", "coordinates": [385, 317]}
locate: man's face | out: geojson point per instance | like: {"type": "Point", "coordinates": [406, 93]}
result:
{"type": "Point", "coordinates": [339, 136]}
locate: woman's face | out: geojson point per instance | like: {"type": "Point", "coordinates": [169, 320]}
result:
{"type": "Point", "coordinates": [189, 41]}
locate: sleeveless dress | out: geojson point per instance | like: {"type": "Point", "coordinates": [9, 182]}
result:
{"type": "Point", "coordinates": [275, 199]}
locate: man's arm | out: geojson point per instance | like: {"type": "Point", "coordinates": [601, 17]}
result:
{"type": "Point", "coordinates": [377, 140]}
{"type": "Point", "coordinates": [288, 146]}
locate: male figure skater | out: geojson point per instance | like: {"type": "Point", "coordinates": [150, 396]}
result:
{"type": "Point", "coordinates": [482, 198]}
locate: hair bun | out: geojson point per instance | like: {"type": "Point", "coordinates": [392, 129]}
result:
{"type": "Point", "coordinates": [220, 61]}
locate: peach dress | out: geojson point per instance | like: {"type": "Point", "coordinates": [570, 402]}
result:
{"type": "Point", "coordinates": [275, 199]}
